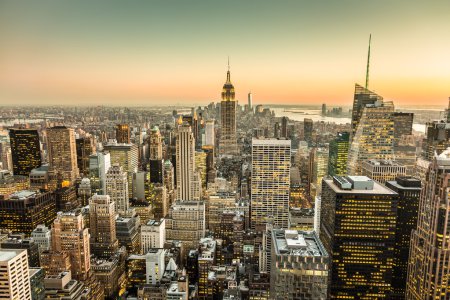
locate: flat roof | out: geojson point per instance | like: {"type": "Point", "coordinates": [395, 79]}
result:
{"type": "Point", "coordinates": [270, 141]}
{"type": "Point", "coordinates": [297, 243]}
{"type": "Point", "coordinates": [6, 255]}
{"type": "Point", "coordinates": [377, 188]}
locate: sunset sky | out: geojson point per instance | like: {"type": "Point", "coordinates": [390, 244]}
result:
{"type": "Point", "coordinates": [175, 52]}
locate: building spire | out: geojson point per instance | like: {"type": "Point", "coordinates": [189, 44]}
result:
{"type": "Point", "coordinates": [368, 63]}
{"type": "Point", "coordinates": [228, 73]}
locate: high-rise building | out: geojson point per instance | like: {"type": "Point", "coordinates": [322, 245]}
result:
{"type": "Point", "coordinates": [117, 188]}
{"type": "Point", "coordinates": [318, 164]}
{"type": "Point", "coordinates": [99, 164]}
{"type": "Point", "coordinates": [42, 235]}
{"type": "Point", "coordinates": [357, 228]}
{"type": "Point", "coordinates": [84, 191]}
{"type": "Point", "coordinates": [408, 189]}
{"type": "Point", "coordinates": [373, 136]}
{"type": "Point", "coordinates": [403, 123]}
{"type": "Point", "coordinates": [126, 155]}
{"type": "Point", "coordinates": [210, 138]}
{"type": "Point", "coordinates": [85, 147]}
{"type": "Point", "coordinates": [250, 101]}
{"type": "Point", "coordinates": [186, 223]}
{"type": "Point", "coordinates": [382, 170]}
{"type": "Point", "coordinates": [437, 138]}
{"type": "Point", "coordinates": [21, 212]}
{"type": "Point", "coordinates": [20, 242]}
{"type": "Point", "coordinates": [324, 109]}
{"type": "Point", "coordinates": [25, 150]}
{"type": "Point", "coordinates": [338, 154]}
{"type": "Point", "coordinates": [206, 259]}
{"type": "Point", "coordinates": [185, 160]}
{"type": "Point", "coordinates": [228, 107]}
{"type": "Point", "coordinates": [156, 156]}
{"type": "Point", "coordinates": [284, 127]}
{"type": "Point", "coordinates": [127, 230]}
{"type": "Point", "coordinates": [271, 162]}
{"type": "Point", "coordinates": [430, 252]}
{"type": "Point", "coordinates": [14, 275]}
{"type": "Point", "coordinates": [308, 130]}
{"type": "Point", "coordinates": [102, 225]}
{"type": "Point", "coordinates": [123, 134]}
{"type": "Point", "coordinates": [362, 98]}
{"type": "Point", "coordinates": [62, 154]}
{"type": "Point", "coordinates": [300, 266]}
{"type": "Point", "coordinates": [153, 235]}
{"type": "Point", "coordinates": [69, 235]}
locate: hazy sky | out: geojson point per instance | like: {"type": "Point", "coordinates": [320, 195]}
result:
{"type": "Point", "coordinates": [175, 52]}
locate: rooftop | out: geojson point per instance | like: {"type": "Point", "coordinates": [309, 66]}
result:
{"type": "Point", "coordinates": [298, 243]}
{"type": "Point", "coordinates": [347, 186]}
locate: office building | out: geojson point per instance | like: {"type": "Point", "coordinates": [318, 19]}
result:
{"type": "Point", "coordinates": [25, 150]}
{"type": "Point", "coordinates": [382, 170]}
{"type": "Point", "coordinates": [338, 154]}
{"type": "Point", "coordinates": [437, 138]}
{"type": "Point", "coordinates": [429, 253]}
{"type": "Point", "coordinates": [23, 211]}
{"type": "Point", "coordinates": [308, 130]}
{"type": "Point", "coordinates": [69, 235]}
{"type": "Point", "coordinates": [228, 107]}
{"type": "Point", "coordinates": [357, 228]}
{"type": "Point", "coordinates": [210, 137]}
{"type": "Point", "coordinates": [318, 168]}
{"type": "Point", "coordinates": [117, 188]}
{"type": "Point", "coordinates": [127, 231]}
{"type": "Point", "coordinates": [185, 163]}
{"type": "Point", "coordinates": [84, 191]}
{"type": "Point", "coordinates": [42, 235]}
{"type": "Point", "coordinates": [156, 157]}
{"type": "Point", "coordinates": [62, 154]}
{"type": "Point", "coordinates": [123, 134]}
{"type": "Point", "coordinates": [102, 225]}
{"type": "Point", "coordinates": [300, 266]}
{"type": "Point", "coordinates": [85, 148]}
{"type": "Point", "coordinates": [403, 123]}
{"type": "Point", "coordinates": [362, 98]}
{"type": "Point", "coordinates": [373, 137]}
{"type": "Point", "coordinates": [408, 189]}
{"type": "Point", "coordinates": [99, 164]}
{"type": "Point", "coordinates": [153, 235]}
{"type": "Point", "coordinates": [20, 242]}
{"type": "Point", "coordinates": [14, 275]}
{"type": "Point", "coordinates": [271, 162]}
{"type": "Point", "coordinates": [37, 283]}
{"type": "Point", "coordinates": [186, 223]}
{"type": "Point", "coordinates": [126, 155]}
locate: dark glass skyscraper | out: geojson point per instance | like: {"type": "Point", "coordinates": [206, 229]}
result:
{"type": "Point", "coordinates": [358, 224]}
{"type": "Point", "coordinates": [123, 134]}
{"type": "Point", "coordinates": [338, 154]}
{"type": "Point", "coordinates": [408, 190]}
{"type": "Point", "coordinates": [25, 150]}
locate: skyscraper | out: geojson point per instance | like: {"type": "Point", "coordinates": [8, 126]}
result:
{"type": "Point", "coordinates": [99, 164]}
{"type": "Point", "coordinates": [62, 154]}
{"type": "Point", "coordinates": [318, 168]}
{"type": "Point", "coordinates": [14, 275]}
{"type": "Point", "coordinates": [123, 134]}
{"type": "Point", "coordinates": [156, 156]}
{"type": "Point", "coordinates": [185, 160]}
{"type": "Point", "coordinates": [429, 257]}
{"type": "Point", "coordinates": [250, 101]}
{"type": "Point", "coordinates": [382, 170]}
{"type": "Point", "coordinates": [300, 266]}
{"type": "Point", "coordinates": [357, 228]}
{"type": "Point", "coordinates": [210, 139]}
{"type": "Point", "coordinates": [228, 106]}
{"type": "Point", "coordinates": [308, 130]}
{"type": "Point", "coordinates": [69, 235]}
{"type": "Point", "coordinates": [403, 123]}
{"type": "Point", "coordinates": [21, 212]}
{"type": "Point", "coordinates": [408, 189]}
{"type": "Point", "coordinates": [437, 138]}
{"type": "Point", "coordinates": [25, 150]}
{"type": "Point", "coordinates": [373, 136]}
{"type": "Point", "coordinates": [117, 188]}
{"type": "Point", "coordinates": [284, 127]}
{"type": "Point", "coordinates": [362, 98]}
{"type": "Point", "coordinates": [271, 162]}
{"type": "Point", "coordinates": [85, 147]}
{"type": "Point", "coordinates": [127, 156]}
{"type": "Point", "coordinates": [338, 154]}
{"type": "Point", "coordinates": [102, 225]}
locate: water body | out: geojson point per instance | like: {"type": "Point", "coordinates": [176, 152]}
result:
{"type": "Point", "coordinates": [299, 113]}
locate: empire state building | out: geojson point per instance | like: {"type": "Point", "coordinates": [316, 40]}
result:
{"type": "Point", "coordinates": [228, 105]}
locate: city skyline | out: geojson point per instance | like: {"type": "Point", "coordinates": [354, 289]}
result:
{"type": "Point", "coordinates": [153, 53]}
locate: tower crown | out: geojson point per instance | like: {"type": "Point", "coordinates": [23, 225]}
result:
{"type": "Point", "coordinates": [228, 88]}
